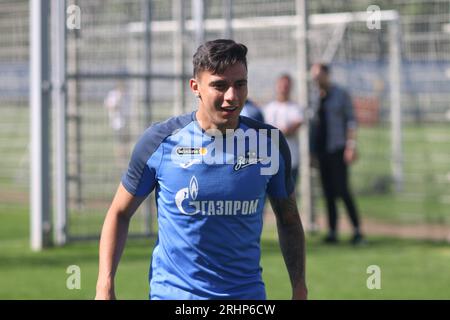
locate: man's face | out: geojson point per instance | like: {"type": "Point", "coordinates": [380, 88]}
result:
{"type": "Point", "coordinates": [319, 76]}
{"type": "Point", "coordinates": [283, 88]}
{"type": "Point", "coordinates": [221, 96]}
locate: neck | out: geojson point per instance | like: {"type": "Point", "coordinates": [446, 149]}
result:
{"type": "Point", "coordinates": [205, 122]}
{"type": "Point", "coordinates": [283, 99]}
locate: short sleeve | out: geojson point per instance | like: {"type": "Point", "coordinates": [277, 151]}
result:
{"type": "Point", "coordinates": [142, 174]}
{"type": "Point", "coordinates": [140, 177]}
{"type": "Point", "coordinates": [281, 184]}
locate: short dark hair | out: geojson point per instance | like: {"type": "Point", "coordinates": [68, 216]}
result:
{"type": "Point", "coordinates": [217, 55]}
{"type": "Point", "coordinates": [285, 76]}
{"type": "Point", "coordinates": [324, 67]}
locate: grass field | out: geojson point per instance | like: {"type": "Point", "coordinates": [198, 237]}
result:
{"type": "Point", "coordinates": [409, 269]}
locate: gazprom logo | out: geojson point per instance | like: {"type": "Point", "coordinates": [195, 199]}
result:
{"type": "Point", "coordinates": [193, 188]}
{"type": "Point", "coordinates": [187, 203]}
{"type": "Point", "coordinates": [183, 195]}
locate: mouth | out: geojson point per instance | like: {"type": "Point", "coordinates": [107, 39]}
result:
{"type": "Point", "coordinates": [229, 109]}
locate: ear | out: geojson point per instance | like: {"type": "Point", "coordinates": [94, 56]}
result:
{"type": "Point", "coordinates": [193, 83]}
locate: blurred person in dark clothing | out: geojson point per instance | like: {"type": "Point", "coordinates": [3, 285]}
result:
{"type": "Point", "coordinates": [251, 110]}
{"type": "Point", "coordinates": [334, 147]}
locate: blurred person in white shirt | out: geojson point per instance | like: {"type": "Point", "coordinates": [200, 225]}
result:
{"type": "Point", "coordinates": [287, 116]}
{"type": "Point", "coordinates": [117, 103]}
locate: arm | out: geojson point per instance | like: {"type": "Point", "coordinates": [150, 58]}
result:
{"type": "Point", "coordinates": [350, 154]}
{"type": "Point", "coordinates": [296, 118]}
{"type": "Point", "coordinates": [292, 243]}
{"type": "Point", "coordinates": [292, 129]}
{"type": "Point", "coordinates": [112, 240]}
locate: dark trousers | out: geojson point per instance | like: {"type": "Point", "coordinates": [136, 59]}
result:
{"type": "Point", "coordinates": [334, 178]}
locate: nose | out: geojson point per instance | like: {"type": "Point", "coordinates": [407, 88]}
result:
{"type": "Point", "coordinates": [231, 94]}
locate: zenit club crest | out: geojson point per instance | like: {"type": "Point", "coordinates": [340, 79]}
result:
{"type": "Point", "coordinates": [245, 161]}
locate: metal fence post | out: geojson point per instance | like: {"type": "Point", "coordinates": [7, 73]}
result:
{"type": "Point", "coordinates": [179, 64]}
{"type": "Point", "coordinates": [198, 15]}
{"type": "Point", "coordinates": [228, 15]}
{"type": "Point", "coordinates": [395, 99]}
{"type": "Point", "coordinates": [306, 203]}
{"type": "Point", "coordinates": [39, 122]}
{"type": "Point", "coordinates": [58, 40]}
{"type": "Point", "coordinates": [148, 204]}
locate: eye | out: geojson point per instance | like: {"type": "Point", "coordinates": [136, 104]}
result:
{"type": "Point", "coordinates": [220, 86]}
{"type": "Point", "coordinates": [241, 84]}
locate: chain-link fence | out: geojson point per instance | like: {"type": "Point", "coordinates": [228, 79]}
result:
{"type": "Point", "coordinates": [14, 87]}
{"type": "Point", "coordinates": [124, 74]}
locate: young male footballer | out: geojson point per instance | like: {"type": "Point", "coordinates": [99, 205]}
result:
{"type": "Point", "coordinates": [211, 171]}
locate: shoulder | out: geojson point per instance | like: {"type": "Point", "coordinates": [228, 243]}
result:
{"type": "Point", "coordinates": [250, 104]}
{"type": "Point", "coordinates": [271, 105]}
{"type": "Point", "coordinates": [255, 124]}
{"type": "Point", "coordinates": [337, 89]}
{"type": "Point", "coordinates": [154, 135]}
{"type": "Point", "coordinates": [161, 130]}
{"type": "Point", "coordinates": [292, 105]}
{"type": "Point", "coordinates": [266, 129]}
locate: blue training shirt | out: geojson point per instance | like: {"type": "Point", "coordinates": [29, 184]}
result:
{"type": "Point", "coordinates": [210, 196]}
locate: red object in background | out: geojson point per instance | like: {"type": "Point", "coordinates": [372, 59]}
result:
{"type": "Point", "coordinates": [367, 110]}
